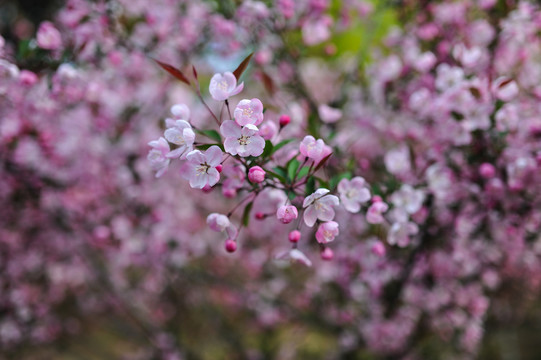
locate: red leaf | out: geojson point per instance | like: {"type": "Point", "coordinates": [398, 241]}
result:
{"type": "Point", "coordinates": [268, 83]}
{"type": "Point", "coordinates": [173, 71]}
{"type": "Point", "coordinates": [322, 162]}
{"type": "Point", "coordinates": [243, 65]}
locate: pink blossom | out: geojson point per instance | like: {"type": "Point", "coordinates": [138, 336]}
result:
{"type": "Point", "coordinates": [249, 112]}
{"type": "Point", "coordinates": [397, 161]}
{"type": "Point", "coordinates": [295, 255]}
{"type": "Point", "coordinates": [319, 205]}
{"type": "Point", "coordinates": [375, 211]}
{"type": "Point", "coordinates": [408, 198]}
{"type": "Point", "coordinates": [243, 141]}
{"type": "Point", "coordinates": [200, 168]}
{"type": "Point", "coordinates": [220, 223]}
{"type": "Point", "coordinates": [312, 148]}
{"type": "Point", "coordinates": [328, 114]}
{"type": "Point", "coordinates": [180, 111]}
{"type": "Point", "coordinates": [268, 130]}
{"type": "Point", "coordinates": [182, 135]}
{"type": "Point", "coordinates": [353, 192]}
{"type": "Point", "coordinates": [222, 87]}
{"type": "Point", "coordinates": [157, 156]}
{"type": "Point", "coordinates": [400, 233]}
{"type": "Point", "coordinates": [235, 176]}
{"type": "Point", "coordinates": [505, 89]}
{"type": "Point", "coordinates": [256, 174]}
{"type": "Point", "coordinates": [287, 213]}
{"type": "Point", "coordinates": [326, 232]}
{"type": "Point", "coordinates": [48, 37]}
{"type": "Point", "coordinates": [315, 31]}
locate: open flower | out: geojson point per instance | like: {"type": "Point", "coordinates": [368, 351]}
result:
{"type": "Point", "coordinates": [222, 87]}
{"type": "Point", "coordinates": [48, 37]}
{"type": "Point", "coordinates": [200, 168]}
{"type": "Point", "coordinates": [249, 112]}
{"type": "Point", "coordinates": [180, 134]}
{"type": "Point", "coordinates": [374, 215]}
{"type": "Point", "coordinates": [353, 193]}
{"type": "Point", "coordinates": [242, 141]}
{"type": "Point", "coordinates": [295, 255]}
{"type": "Point", "coordinates": [287, 213]}
{"type": "Point", "coordinates": [158, 156]}
{"type": "Point", "coordinates": [219, 223]}
{"type": "Point", "coordinates": [319, 205]}
{"type": "Point", "coordinates": [326, 232]}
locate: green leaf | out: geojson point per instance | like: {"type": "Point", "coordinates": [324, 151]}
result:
{"type": "Point", "coordinates": [310, 186]}
{"type": "Point", "coordinates": [322, 183]}
{"type": "Point", "coordinates": [268, 149]}
{"type": "Point", "coordinates": [336, 179]}
{"type": "Point", "coordinates": [211, 134]}
{"type": "Point", "coordinates": [303, 172]}
{"type": "Point", "coordinates": [292, 168]}
{"type": "Point", "coordinates": [279, 174]}
{"type": "Point", "coordinates": [206, 146]}
{"type": "Point", "coordinates": [291, 196]}
{"type": "Point", "coordinates": [281, 144]}
{"type": "Point", "coordinates": [246, 213]}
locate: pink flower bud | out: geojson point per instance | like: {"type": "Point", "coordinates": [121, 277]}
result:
{"type": "Point", "coordinates": [48, 37]}
{"type": "Point", "coordinates": [284, 120]}
{"type": "Point", "coordinates": [229, 192]}
{"type": "Point", "coordinates": [207, 188]}
{"type": "Point", "coordinates": [259, 216]}
{"type": "Point", "coordinates": [230, 246]}
{"type": "Point", "coordinates": [219, 168]}
{"type": "Point", "coordinates": [378, 249]}
{"type": "Point", "coordinates": [28, 77]}
{"type": "Point", "coordinates": [487, 170]}
{"type": "Point", "coordinates": [294, 236]}
{"type": "Point", "coordinates": [256, 174]}
{"type": "Point", "coordinates": [327, 232]}
{"type": "Point", "coordinates": [287, 213]}
{"type": "Point", "coordinates": [327, 254]}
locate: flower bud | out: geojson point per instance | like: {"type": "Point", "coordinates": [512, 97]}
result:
{"type": "Point", "coordinates": [287, 213]}
{"type": "Point", "coordinates": [284, 120]}
{"type": "Point", "coordinates": [294, 236]}
{"type": "Point", "coordinates": [487, 170]}
{"type": "Point", "coordinates": [256, 174]}
{"type": "Point", "coordinates": [378, 249]}
{"type": "Point", "coordinates": [230, 246]}
{"type": "Point", "coordinates": [327, 254]}
{"type": "Point", "coordinates": [259, 216]}
{"type": "Point", "coordinates": [219, 168]}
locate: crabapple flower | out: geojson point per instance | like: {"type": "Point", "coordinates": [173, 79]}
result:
{"type": "Point", "coordinates": [329, 114]}
{"type": "Point", "coordinates": [256, 174]}
{"type": "Point", "coordinates": [48, 37]}
{"type": "Point", "coordinates": [220, 223]}
{"type": "Point", "coordinates": [326, 232]}
{"type": "Point", "coordinates": [242, 141]}
{"type": "Point", "coordinates": [375, 211]}
{"type": "Point", "coordinates": [408, 199]}
{"type": "Point", "coordinates": [400, 232]}
{"type": "Point", "coordinates": [353, 192]}
{"type": "Point", "coordinates": [312, 148]}
{"type": "Point", "coordinates": [295, 255]}
{"type": "Point", "coordinates": [287, 213]}
{"type": "Point", "coordinates": [249, 112]}
{"type": "Point", "coordinates": [158, 156]}
{"type": "Point", "coordinates": [180, 111]}
{"type": "Point", "coordinates": [222, 87]}
{"type": "Point", "coordinates": [235, 176]}
{"type": "Point", "coordinates": [268, 130]}
{"type": "Point", "coordinates": [200, 168]}
{"type": "Point", "coordinates": [505, 89]}
{"type": "Point", "coordinates": [183, 136]}
{"type": "Point", "coordinates": [319, 205]}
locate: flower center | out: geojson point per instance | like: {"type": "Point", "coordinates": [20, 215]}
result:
{"type": "Point", "coordinates": [244, 140]}
{"type": "Point", "coordinates": [222, 85]}
{"type": "Point", "coordinates": [202, 169]}
{"type": "Point", "coordinates": [350, 194]}
{"type": "Point", "coordinates": [247, 112]}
